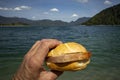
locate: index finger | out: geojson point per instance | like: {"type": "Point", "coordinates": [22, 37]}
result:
{"type": "Point", "coordinates": [43, 49]}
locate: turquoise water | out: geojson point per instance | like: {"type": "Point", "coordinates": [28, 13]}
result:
{"type": "Point", "coordinates": [102, 41]}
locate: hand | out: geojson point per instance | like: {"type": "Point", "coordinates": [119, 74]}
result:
{"type": "Point", "coordinates": [31, 67]}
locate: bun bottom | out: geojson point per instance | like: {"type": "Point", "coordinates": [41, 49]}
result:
{"type": "Point", "coordinates": [69, 66]}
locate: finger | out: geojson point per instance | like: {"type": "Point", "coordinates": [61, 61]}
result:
{"type": "Point", "coordinates": [33, 50]}
{"type": "Point", "coordinates": [55, 73]}
{"type": "Point", "coordinates": [52, 75]}
{"type": "Point", "coordinates": [50, 42]}
{"type": "Point", "coordinates": [43, 49]}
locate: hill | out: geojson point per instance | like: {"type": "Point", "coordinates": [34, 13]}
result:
{"type": "Point", "coordinates": [109, 16]}
{"type": "Point", "coordinates": [14, 21]}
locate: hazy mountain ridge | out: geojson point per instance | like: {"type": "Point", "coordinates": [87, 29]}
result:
{"type": "Point", "coordinates": [24, 21]}
{"type": "Point", "coordinates": [45, 22]}
{"type": "Point", "coordinates": [79, 21]}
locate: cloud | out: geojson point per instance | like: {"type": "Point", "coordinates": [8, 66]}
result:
{"type": "Point", "coordinates": [54, 10]}
{"type": "Point", "coordinates": [50, 11]}
{"type": "Point", "coordinates": [82, 1]}
{"type": "Point", "coordinates": [19, 8]}
{"type": "Point", "coordinates": [33, 17]}
{"type": "Point", "coordinates": [46, 13]}
{"type": "Point", "coordinates": [5, 9]}
{"type": "Point", "coordinates": [74, 15]}
{"type": "Point", "coordinates": [107, 2]}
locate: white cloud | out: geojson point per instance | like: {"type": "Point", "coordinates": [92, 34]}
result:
{"type": "Point", "coordinates": [54, 10]}
{"type": "Point", "coordinates": [82, 1]}
{"type": "Point", "coordinates": [74, 15]}
{"type": "Point", "coordinates": [33, 17]}
{"type": "Point", "coordinates": [107, 2]}
{"type": "Point", "coordinates": [46, 13]}
{"type": "Point", "coordinates": [5, 9]}
{"type": "Point", "coordinates": [25, 7]}
{"type": "Point", "coordinates": [21, 8]}
{"type": "Point", "coordinates": [16, 8]}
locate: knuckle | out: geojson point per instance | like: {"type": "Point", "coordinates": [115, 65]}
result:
{"type": "Point", "coordinates": [38, 41]}
{"type": "Point", "coordinates": [44, 42]}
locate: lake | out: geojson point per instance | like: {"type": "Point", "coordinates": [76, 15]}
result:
{"type": "Point", "coordinates": [102, 41]}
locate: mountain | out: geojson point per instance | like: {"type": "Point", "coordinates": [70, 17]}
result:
{"type": "Point", "coordinates": [46, 22]}
{"type": "Point", "coordinates": [109, 16]}
{"type": "Point", "coordinates": [23, 21]}
{"type": "Point", "coordinates": [14, 20]}
{"type": "Point", "coordinates": [80, 21]}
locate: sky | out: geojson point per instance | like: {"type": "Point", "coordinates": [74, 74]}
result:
{"type": "Point", "coordinates": [65, 10]}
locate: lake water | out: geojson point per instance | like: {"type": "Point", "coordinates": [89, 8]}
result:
{"type": "Point", "coordinates": [102, 41]}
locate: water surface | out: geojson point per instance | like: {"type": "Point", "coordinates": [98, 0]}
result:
{"type": "Point", "coordinates": [102, 41]}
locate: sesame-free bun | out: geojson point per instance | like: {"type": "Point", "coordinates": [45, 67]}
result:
{"type": "Point", "coordinates": [69, 56]}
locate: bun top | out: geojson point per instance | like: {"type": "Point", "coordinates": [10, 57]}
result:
{"type": "Point", "coordinates": [66, 48]}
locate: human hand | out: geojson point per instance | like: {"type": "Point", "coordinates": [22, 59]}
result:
{"type": "Point", "coordinates": [32, 65]}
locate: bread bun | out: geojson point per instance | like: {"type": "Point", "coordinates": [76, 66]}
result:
{"type": "Point", "coordinates": [69, 56]}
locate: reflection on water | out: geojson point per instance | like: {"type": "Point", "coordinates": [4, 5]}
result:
{"type": "Point", "coordinates": [103, 42]}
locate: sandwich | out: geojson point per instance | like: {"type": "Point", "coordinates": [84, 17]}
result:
{"type": "Point", "coordinates": [69, 56]}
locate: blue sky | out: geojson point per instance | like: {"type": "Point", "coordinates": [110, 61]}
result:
{"type": "Point", "coordinates": [65, 10]}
